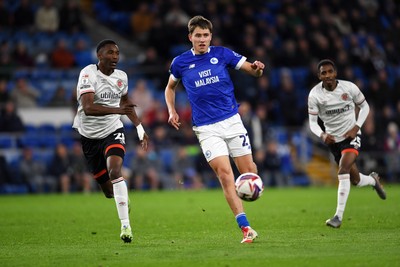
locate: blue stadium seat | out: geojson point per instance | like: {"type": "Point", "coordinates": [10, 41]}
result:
{"type": "Point", "coordinates": [29, 140]}
{"type": "Point", "coordinates": [7, 141]}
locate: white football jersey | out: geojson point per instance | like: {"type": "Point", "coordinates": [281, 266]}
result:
{"type": "Point", "coordinates": [336, 108]}
{"type": "Point", "coordinates": [108, 91]}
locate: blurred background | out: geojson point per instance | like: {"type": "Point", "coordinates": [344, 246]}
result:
{"type": "Point", "coordinates": [45, 43]}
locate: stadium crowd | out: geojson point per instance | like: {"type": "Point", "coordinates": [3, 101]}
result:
{"type": "Point", "coordinates": [39, 39]}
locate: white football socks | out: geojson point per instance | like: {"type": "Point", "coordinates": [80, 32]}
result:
{"type": "Point", "coordinates": [343, 193]}
{"type": "Point", "coordinates": [121, 200]}
{"type": "Point", "coordinates": [366, 180]}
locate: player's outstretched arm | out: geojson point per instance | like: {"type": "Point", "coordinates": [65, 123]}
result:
{"type": "Point", "coordinates": [255, 69]}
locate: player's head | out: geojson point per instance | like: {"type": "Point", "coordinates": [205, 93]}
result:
{"type": "Point", "coordinates": [103, 43]}
{"type": "Point", "coordinates": [200, 33]}
{"type": "Point", "coordinates": [326, 62]}
{"type": "Point", "coordinates": [108, 54]}
{"type": "Point", "coordinates": [327, 73]}
{"type": "Point", "coordinates": [201, 22]}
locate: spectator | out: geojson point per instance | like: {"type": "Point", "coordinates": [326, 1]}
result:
{"type": "Point", "coordinates": [141, 22]}
{"type": "Point", "coordinates": [82, 54]}
{"type": "Point", "coordinates": [82, 177]}
{"type": "Point", "coordinates": [7, 66]}
{"type": "Point", "coordinates": [5, 18]}
{"type": "Point", "coordinates": [62, 57]}
{"type": "Point", "coordinates": [147, 169]}
{"type": "Point", "coordinates": [24, 16]}
{"type": "Point", "coordinates": [60, 98]}
{"type": "Point", "coordinates": [21, 56]}
{"type": "Point", "coordinates": [47, 19]}
{"type": "Point", "coordinates": [33, 173]}
{"type": "Point", "coordinates": [5, 171]}
{"type": "Point", "coordinates": [142, 96]}
{"type": "Point", "coordinates": [184, 171]}
{"type": "Point", "coordinates": [150, 65]}
{"type": "Point", "coordinates": [10, 121]}
{"type": "Point", "coordinates": [270, 163]}
{"type": "Point", "coordinates": [4, 94]}
{"type": "Point", "coordinates": [60, 168]}
{"type": "Point", "coordinates": [392, 150]}
{"type": "Point", "coordinates": [71, 17]}
{"type": "Point", "coordinates": [24, 94]}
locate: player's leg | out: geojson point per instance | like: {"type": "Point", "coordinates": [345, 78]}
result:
{"type": "Point", "coordinates": [120, 189]}
{"type": "Point", "coordinates": [215, 150]}
{"type": "Point", "coordinates": [222, 168]}
{"type": "Point", "coordinates": [347, 160]}
{"type": "Point", "coordinates": [245, 164]}
{"type": "Point", "coordinates": [372, 179]}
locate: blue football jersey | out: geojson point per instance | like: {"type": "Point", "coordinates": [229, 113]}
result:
{"type": "Point", "coordinates": [207, 83]}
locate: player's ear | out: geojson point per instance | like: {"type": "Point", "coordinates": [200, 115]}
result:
{"type": "Point", "coordinates": [190, 37]}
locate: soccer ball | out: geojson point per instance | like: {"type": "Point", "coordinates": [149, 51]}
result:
{"type": "Point", "coordinates": [249, 186]}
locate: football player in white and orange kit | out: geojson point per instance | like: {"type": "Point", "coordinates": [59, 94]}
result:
{"type": "Point", "coordinates": [102, 95]}
{"type": "Point", "coordinates": [334, 102]}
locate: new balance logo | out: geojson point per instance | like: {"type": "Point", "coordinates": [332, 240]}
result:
{"type": "Point", "coordinates": [191, 66]}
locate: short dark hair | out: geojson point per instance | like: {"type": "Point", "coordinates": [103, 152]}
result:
{"type": "Point", "coordinates": [199, 21]}
{"type": "Point", "coordinates": [326, 62]}
{"type": "Point", "coordinates": [103, 43]}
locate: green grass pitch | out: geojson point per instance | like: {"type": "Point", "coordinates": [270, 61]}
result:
{"type": "Point", "coordinates": [196, 228]}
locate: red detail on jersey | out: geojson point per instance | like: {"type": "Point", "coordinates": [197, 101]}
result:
{"type": "Point", "coordinates": [119, 83]}
{"type": "Point", "coordinates": [345, 96]}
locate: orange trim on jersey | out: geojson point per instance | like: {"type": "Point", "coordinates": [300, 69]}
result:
{"type": "Point", "coordinates": [350, 150]}
{"type": "Point", "coordinates": [115, 145]}
{"type": "Point", "coordinates": [97, 175]}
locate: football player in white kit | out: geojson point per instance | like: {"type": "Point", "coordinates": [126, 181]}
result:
{"type": "Point", "coordinates": [102, 95]}
{"type": "Point", "coordinates": [334, 102]}
{"type": "Point", "coordinates": [203, 71]}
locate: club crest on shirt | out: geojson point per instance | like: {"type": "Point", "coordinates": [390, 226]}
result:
{"type": "Point", "coordinates": [85, 78]}
{"type": "Point", "coordinates": [214, 60]}
{"type": "Point", "coordinates": [119, 83]}
{"type": "Point", "coordinates": [345, 96]}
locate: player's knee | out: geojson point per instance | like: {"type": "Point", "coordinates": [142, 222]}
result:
{"type": "Point", "coordinates": [114, 174]}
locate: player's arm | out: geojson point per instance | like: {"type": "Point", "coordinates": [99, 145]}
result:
{"type": "Point", "coordinates": [92, 109]}
{"type": "Point", "coordinates": [133, 117]}
{"type": "Point", "coordinates": [316, 129]}
{"type": "Point", "coordinates": [362, 116]}
{"type": "Point", "coordinates": [255, 69]}
{"type": "Point", "coordinates": [170, 101]}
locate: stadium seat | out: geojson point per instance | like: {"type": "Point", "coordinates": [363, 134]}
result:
{"type": "Point", "coordinates": [7, 141]}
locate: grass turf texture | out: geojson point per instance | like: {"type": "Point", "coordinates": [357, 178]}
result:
{"type": "Point", "coordinates": [196, 228]}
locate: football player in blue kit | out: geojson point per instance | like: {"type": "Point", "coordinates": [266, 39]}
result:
{"type": "Point", "coordinates": [217, 124]}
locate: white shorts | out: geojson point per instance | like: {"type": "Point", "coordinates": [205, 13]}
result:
{"type": "Point", "coordinates": [227, 137]}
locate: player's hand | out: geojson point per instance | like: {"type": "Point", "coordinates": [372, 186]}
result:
{"type": "Point", "coordinates": [145, 142]}
{"type": "Point", "coordinates": [127, 109]}
{"type": "Point", "coordinates": [174, 120]}
{"type": "Point", "coordinates": [352, 133]}
{"type": "Point", "coordinates": [327, 138]}
{"type": "Point", "coordinates": [258, 67]}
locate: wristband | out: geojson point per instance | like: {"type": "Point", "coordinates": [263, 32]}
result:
{"type": "Point", "coordinates": [140, 131]}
